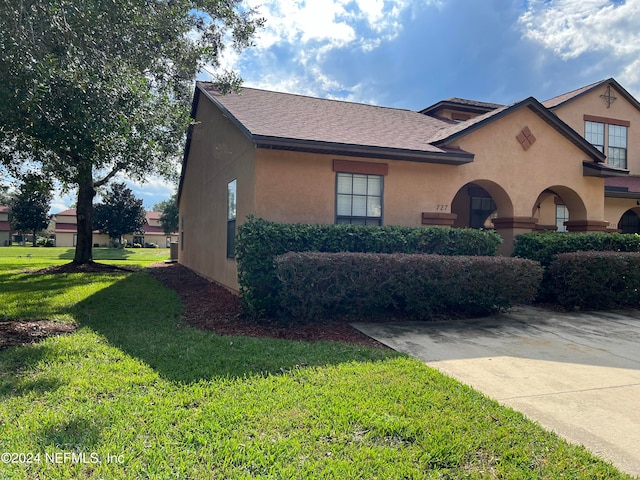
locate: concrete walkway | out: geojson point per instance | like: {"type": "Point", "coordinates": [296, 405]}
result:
{"type": "Point", "coordinates": [575, 374]}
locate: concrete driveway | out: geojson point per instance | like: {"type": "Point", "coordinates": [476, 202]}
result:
{"type": "Point", "coordinates": [575, 374]}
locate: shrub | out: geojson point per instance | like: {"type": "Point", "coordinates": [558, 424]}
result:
{"type": "Point", "coordinates": [595, 280]}
{"type": "Point", "coordinates": [544, 246]}
{"type": "Point", "coordinates": [259, 241]}
{"type": "Point", "coordinates": [336, 284]}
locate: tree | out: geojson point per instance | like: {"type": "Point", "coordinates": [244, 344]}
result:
{"type": "Point", "coordinates": [120, 213]}
{"type": "Point", "coordinates": [170, 214]}
{"type": "Point", "coordinates": [29, 209]}
{"type": "Point", "coordinates": [93, 89]}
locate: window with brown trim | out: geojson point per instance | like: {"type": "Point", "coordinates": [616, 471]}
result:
{"type": "Point", "coordinates": [359, 199]}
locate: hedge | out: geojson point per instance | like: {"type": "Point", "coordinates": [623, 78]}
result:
{"type": "Point", "coordinates": [258, 241]}
{"type": "Point", "coordinates": [544, 246]}
{"type": "Point", "coordinates": [320, 285]}
{"type": "Point", "coordinates": [595, 280]}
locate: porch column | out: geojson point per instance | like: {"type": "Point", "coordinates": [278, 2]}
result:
{"type": "Point", "coordinates": [439, 219]}
{"type": "Point", "coordinates": [509, 227]}
{"type": "Point", "coordinates": [586, 225]}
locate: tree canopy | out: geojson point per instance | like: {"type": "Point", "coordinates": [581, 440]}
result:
{"type": "Point", "coordinates": [119, 213]}
{"type": "Point", "coordinates": [91, 89]}
{"type": "Point", "coordinates": [29, 209]}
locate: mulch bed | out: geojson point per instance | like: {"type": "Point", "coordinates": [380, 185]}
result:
{"type": "Point", "coordinates": [207, 306]}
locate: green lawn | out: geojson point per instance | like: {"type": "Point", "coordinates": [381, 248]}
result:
{"type": "Point", "coordinates": [134, 393]}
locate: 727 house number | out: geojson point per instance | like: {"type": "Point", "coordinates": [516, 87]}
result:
{"type": "Point", "coordinates": [442, 208]}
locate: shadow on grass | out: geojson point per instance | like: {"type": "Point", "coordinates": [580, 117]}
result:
{"type": "Point", "coordinates": [142, 318]}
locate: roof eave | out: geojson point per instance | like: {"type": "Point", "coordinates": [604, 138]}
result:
{"type": "Point", "coordinates": [601, 170]}
{"type": "Point", "coordinates": [455, 157]}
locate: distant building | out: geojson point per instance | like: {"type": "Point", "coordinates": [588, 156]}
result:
{"type": "Point", "coordinates": [5, 226]}
{"type": "Point", "coordinates": [66, 231]}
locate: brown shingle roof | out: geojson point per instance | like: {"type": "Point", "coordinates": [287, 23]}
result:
{"type": "Point", "coordinates": [270, 115]}
{"type": "Point", "coordinates": [565, 97]}
{"type": "Point", "coordinates": [4, 209]}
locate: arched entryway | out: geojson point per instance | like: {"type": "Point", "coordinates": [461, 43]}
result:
{"type": "Point", "coordinates": [630, 221]}
{"type": "Point", "coordinates": [478, 202]}
{"type": "Point", "coordinates": [559, 208]}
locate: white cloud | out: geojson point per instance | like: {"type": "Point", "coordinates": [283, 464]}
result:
{"type": "Point", "coordinates": [309, 31]}
{"type": "Point", "coordinates": [573, 28]}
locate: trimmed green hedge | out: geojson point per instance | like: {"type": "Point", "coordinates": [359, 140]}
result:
{"type": "Point", "coordinates": [595, 280]}
{"type": "Point", "coordinates": [544, 246]}
{"type": "Point", "coordinates": [337, 284]}
{"type": "Point", "coordinates": [259, 241]}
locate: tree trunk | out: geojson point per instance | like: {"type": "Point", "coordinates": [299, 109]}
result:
{"type": "Point", "coordinates": [33, 243]}
{"type": "Point", "coordinates": [84, 213]}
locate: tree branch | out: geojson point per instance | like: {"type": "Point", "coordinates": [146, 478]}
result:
{"type": "Point", "coordinates": [109, 176]}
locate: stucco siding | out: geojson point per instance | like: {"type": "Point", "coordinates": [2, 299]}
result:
{"type": "Point", "coordinates": [219, 154]}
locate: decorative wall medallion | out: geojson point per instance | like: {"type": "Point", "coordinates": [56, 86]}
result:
{"type": "Point", "coordinates": [609, 96]}
{"type": "Point", "coordinates": [526, 138]}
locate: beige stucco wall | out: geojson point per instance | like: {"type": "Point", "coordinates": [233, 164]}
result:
{"type": "Point", "coordinates": [219, 154]}
{"type": "Point", "coordinates": [65, 239]}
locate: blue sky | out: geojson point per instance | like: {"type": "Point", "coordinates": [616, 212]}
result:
{"type": "Point", "coordinates": [413, 53]}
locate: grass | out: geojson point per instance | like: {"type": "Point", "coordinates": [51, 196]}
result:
{"type": "Point", "coordinates": [134, 393]}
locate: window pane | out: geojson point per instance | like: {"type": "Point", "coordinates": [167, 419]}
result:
{"type": "Point", "coordinates": [374, 183]}
{"type": "Point", "coordinates": [231, 200]}
{"type": "Point", "coordinates": [594, 134]}
{"type": "Point", "coordinates": [617, 136]}
{"type": "Point", "coordinates": [374, 207]}
{"type": "Point", "coordinates": [359, 184]}
{"type": "Point", "coordinates": [359, 206]}
{"type": "Point", "coordinates": [344, 205]}
{"type": "Point", "coordinates": [344, 183]}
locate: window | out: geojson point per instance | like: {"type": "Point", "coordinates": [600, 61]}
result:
{"type": "Point", "coordinates": [617, 152]}
{"type": "Point", "coordinates": [594, 134]}
{"type": "Point", "coordinates": [231, 218]}
{"type": "Point", "coordinates": [562, 215]}
{"type": "Point", "coordinates": [481, 208]}
{"type": "Point", "coordinates": [359, 199]}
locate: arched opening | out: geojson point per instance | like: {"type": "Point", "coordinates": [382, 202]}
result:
{"type": "Point", "coordinates": [629, 222]}
{"type": "Point", "coordinates": [556, 206]}
{"type": "Point", "coordinates": [478, 202]}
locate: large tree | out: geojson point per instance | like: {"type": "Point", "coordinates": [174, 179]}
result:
{"type": "Point", "coordinates": [92, 88]}
{"type": "Point", "coordinates": [119, 213]}
{"type": "Point", "coordinates": [29, 209]}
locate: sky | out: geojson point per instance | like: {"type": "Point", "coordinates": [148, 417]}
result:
{"type": "Point", "coordinates": [413, 53]}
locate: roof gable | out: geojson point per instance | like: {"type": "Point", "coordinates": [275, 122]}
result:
{"type": "Point", "coordinates": [459, 130]}
{"type": "Point", "coordinates": [561, 100]}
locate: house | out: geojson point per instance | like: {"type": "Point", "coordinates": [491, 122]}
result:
{"type": "Point", "coordinates": [5, 226]}
{"type": "Point", "coordinates": [570, 163]}
{"type": "Point", "coordinates": [65, 229]}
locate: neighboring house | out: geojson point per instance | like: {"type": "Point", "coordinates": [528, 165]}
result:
{"type": "Point", "coordinates": [65, 229]}
{"type": "Point", "coordinates": [152, 233]}
{"type": "Point", "coordinates": [5, 226]}
{"type": "Point", "coordinates": [516, 168]}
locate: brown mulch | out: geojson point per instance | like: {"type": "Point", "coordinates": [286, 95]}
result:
{"type": "Point", "coordinates": [207, 306]}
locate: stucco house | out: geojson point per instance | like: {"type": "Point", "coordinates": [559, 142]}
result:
{"type": "Point", "coordinates": [570, 163]}
{"type": "Point", "coordinates": [5, 226]}
{"type": "Point", "coordinates": [65, 229]}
